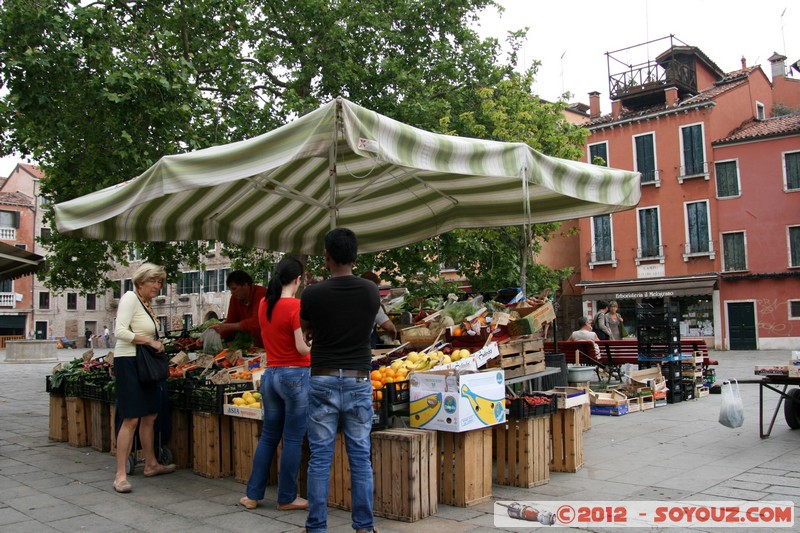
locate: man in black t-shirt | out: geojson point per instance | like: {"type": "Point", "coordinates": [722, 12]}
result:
{"type": "Point", "coordinates": [338, 315]}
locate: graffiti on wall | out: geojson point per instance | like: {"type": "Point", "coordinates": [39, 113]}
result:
{"type": "Point", "coordinates": [773, 318]}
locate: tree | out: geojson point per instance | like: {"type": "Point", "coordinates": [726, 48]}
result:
{"type": "Point", "coordinates": [98, 91]}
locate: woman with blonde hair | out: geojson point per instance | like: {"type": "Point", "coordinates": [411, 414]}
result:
{"type": "Point", "coordinates": [614, 320]}
{"type": "Point", "coordinates": [137, 402]}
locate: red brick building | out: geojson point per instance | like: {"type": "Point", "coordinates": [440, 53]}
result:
{"type": "Point", "coordinates": [680, 121]}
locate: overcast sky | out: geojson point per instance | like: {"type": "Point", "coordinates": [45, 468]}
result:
{"type": "Point", "coordinates": [582, 31]}
{"type": "Point", "coordinates": [571, 39]}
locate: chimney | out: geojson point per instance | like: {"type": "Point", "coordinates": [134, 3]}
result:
{"type": "Point", "coordinates": [616, 109]}
{"type": "Point", "coordinates": [778, 65]}
{"type": "Point", "coordinates": [594, 104]}
{"type": "Point", "coordinates": [744, 63]}
{"type": "Point", "coordinates": [671, 94]}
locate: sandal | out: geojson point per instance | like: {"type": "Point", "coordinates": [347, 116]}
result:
{"type": "Point", "coordinates": [161, 469]}
{"type": "Point", "coordinates": [122, 487]}
{"type": "Point", "coordinates": [248, 503]}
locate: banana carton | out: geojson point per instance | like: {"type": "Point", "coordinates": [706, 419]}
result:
{"type": "Point", "coordinates": [455, 401]}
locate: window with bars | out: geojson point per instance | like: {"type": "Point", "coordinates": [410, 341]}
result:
{"type": "Point", "coordinates": [6, 285]}
{"type": "Point", "coordinates": [794, 246]}
{"type": "Point", "coordinates": [599, 150]}
{"type": "Point", "coordinates": [693, 150]}
{"type": "Point", "coordinates": [649, 238]}
{"type": "Point", "coordinates": [727, 175]}
{"type": "Point", "coordinates": [794, 309]}
{"type": "Point", "coordinates": [697, 227]}
{"type": "Point", "coordinates": [116, 289]}
{"type": "Point", "coordinates": [602, 246]}
{"type": "Point", "coordinates": [734, 257]}
{"type": "Point", "coordinates": [44, 300]}
{"type": "Point", "coordinates": [189, 283]}
{"type": "Point", "coordinates": [72, 301]}
{"type": "Point", "coordinates": [646, 157]}
{"type": "Point", "coordinates": [91, 302]}
{"type": "Point", "coordinates": [791, 166]}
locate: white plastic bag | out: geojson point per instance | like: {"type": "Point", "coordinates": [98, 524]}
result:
{"type": "Point", "coordinates": [731, 412]}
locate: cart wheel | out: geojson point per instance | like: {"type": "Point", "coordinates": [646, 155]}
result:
{"type": "Point", "coordinates": [791, 408]}
{"type": "Point", "coordinates": [130, 464]}
{"type": "Point", "coordinates": [165, 456]}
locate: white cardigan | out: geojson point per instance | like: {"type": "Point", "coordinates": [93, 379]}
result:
{"type": "Point", "coordinates": [132, 318]}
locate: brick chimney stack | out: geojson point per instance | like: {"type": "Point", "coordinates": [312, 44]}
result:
{"type": "Point", "coordinates": [616, 109]}
{"type": "Point", "coordinates": [594, 104]}
{"type": "Point", "coordinates": [671, 95]}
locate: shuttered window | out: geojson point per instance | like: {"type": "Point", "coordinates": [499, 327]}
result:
{"type": "Point", "coordinates": [598, 151]}
{"type": "Point", "coordinates": [727, 179]}
{"type": "Point", "coordinates": [646, 157]}
{"type": "Point", "coordinates": [693, 153]}
{"type": "Point", "coordinates": [794, 246]}
{"type": "Point", "coordinates": [734, 252]}
{"type": "Point", "coordinates": [648, 232]}
{"type": "Point", "coordinates": [697, 223]}
{"type": "Point", "coordinates": [602, 238]}
{"type": "Point", "coordinates": [792, 164]}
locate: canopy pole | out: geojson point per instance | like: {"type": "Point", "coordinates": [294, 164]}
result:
{"type": "Point", "coordinates": [332, 152]}
{"type": "Point", "coordinates": [525, 233]}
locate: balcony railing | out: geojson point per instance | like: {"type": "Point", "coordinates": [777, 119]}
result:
{"type": "Point", "coordinates": [699, 249]}
{"type": "Point", "coordinates": [694, 170]}
{"type": "Point", "coordinates": [8, 299]}
{"type": "Point", "coordinates": [8, 234]}
{"type": "Point", "coordinates": [602, 257]}
{"type": "Point", "coordinates": [650, 253]}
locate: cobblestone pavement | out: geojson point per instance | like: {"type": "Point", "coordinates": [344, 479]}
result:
{"type": "Point", "coordinates": [677, 452]}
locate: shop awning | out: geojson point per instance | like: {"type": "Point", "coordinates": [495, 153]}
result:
{"type": "Point", "coordinates": [656, 288]}
{"type": "Point", "coordinates": [15, 262]}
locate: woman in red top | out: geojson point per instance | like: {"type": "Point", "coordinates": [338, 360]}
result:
{"type": "Point", "coordinates": [284, 388]}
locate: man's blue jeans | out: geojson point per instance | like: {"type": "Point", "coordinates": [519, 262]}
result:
{"type": "Point", "coordinates": [284, 399]}
{"type": "Point", "coordinates": [332, 399]}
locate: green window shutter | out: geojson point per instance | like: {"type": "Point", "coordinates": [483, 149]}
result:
{"type": "Point", "coordinates": [727, 179]}
{"type": "Point", "coordinates": [734, 251]}
{"type": "Point", "coordinates": [794, 245]}
{"type": "Point", "coordinates": [793, 171]}
{"type": "Point", "coordinates": [648, 224]}
{"type": "Point", "coordinates": [645, 158]}
{"type": "Point", "coordinates": [602, 238]}
{"type": "Point", "coordinates": [693, 150]}
{"type": "Point", "coordinates": [697, 215]}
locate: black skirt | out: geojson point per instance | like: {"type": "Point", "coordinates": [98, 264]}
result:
{"type": "Point", "coordinates": [134, 399]}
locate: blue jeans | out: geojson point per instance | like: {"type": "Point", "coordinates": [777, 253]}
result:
{"type": "Point", "coordinates": [332, 399]}
{"type": "Point", "coordinates": [284, 398]}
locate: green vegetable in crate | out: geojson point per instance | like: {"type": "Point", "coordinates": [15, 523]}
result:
{"type": "Point", "coordinates": [459, 311]}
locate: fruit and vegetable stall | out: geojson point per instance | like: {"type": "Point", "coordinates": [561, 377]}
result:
{"type": "Point", "coordinates": [468, 396]}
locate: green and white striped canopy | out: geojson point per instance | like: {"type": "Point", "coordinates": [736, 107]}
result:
{"type": "Point", "coordinates": [344, 165]}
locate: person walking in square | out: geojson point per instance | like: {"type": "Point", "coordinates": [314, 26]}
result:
{"type": "Point", "coordinates": [338, 314]}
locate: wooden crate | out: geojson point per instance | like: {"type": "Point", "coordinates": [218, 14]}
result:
{"type": "Point", "coordinates": [404, 462]}
{"type": "Point", "coordinates": [634, 404]}
{"type": "Point", "coordinates": [339, 485]}
{"type": "Point", "coordinates": [101, 425]}
{"type": "Point", "coordinates": [646, 402]}
{"type": "Point", "coordinates": [520, 357]}
{"type": "Point", "coordinates": [586, 408]}
{"type": "Point", "coordinates": [112, 422]}
{"type": "Point", "coordinates": [180, 440]}
{"type": "Point", "coordinates": [567, 445]}
{"type": "Point", "coordinates": [302, 472]}
{"type": "Point", "coordinates": [465, 467]}
{"type": "Point", "coordinates": [58, 419]}
{"type": "Point", "coordinates": [211, 445]}
{"type": "Point", "coordinates": [246, 432]}
{"type": "Point", "coordinates": [523, 452]}
{"type": "Point", "coordinates": [79, 422]}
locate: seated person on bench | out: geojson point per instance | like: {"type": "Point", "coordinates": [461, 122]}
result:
{"type": "Point", "coordinates": [585, 333]}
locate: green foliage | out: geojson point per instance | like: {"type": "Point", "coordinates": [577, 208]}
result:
{"type": "Point", "coordinates": [97, 92]}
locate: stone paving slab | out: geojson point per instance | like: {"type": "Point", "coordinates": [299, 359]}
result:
{"type": "Point", "coordinates": [678, 452]}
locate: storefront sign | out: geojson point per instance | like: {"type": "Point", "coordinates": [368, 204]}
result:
{"type": "Point", "coordinates": [650, 271]}
{"type": "Point", "coordinates": [642, 294]}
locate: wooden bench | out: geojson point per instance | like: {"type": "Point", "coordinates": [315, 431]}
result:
{"type": "Point", "coordinates": [613, 354]}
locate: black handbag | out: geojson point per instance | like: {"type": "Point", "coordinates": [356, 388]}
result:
{"type": "Point", "coordinates": [151, 366]}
